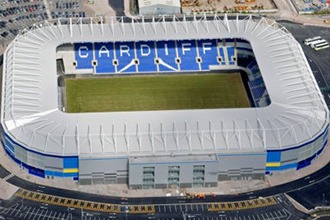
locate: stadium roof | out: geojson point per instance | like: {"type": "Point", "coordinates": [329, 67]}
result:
{"type": "Point", "coordinates": [30, 111]}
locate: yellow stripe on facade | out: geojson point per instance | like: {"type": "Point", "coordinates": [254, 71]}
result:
{"type": "Point", "coordinates": [274, 164]}
{"type": "Point", "coordinates": [73, 170]}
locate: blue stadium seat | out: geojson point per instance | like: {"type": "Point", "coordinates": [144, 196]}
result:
{"type": "Point", "coordinates": [252, 64]}
{"type": "Point", "coordinates": [231, 55]}
{"type": "Point", "coordinates": [257, 92]}
{"type": "Point", "coordinates": [256, 82]}
{"type": "Point", "coordinates": [187, 53]}
{"type": "Point", "coordinates": [104, 54]}
{"type": "Point", "coordinates": [83, 55]}
{"type": "Point", "coordinates": [255, 70]}
{"type": "Point", "coordinates": [166, 51]}
{"type": "Point", "coordinates": [125, 56]}
{"type": "Point", "coordinates": [150, 56]}
{"type": "Point", "coordinates": [145, 52]}
{"type": "Point", "coordinates": [222, 56]}
{"type": "Point", "coordinates": [207, 50]}
{"type": "Point", "coordinates": [253, 67]}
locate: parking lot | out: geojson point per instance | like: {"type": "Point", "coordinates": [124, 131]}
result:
{"type": "Point", "coordinates": [20, 211]}
{"type": "Point", "coordinates": [42, 212]}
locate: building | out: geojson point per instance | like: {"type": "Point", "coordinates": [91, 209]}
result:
{"type": "Point", "coordinates": [286, 130]}
{"type": "Point", "coordinates": [157, 7]}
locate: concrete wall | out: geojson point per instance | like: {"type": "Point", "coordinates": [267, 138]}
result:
{"type": "Point", "coordinates": [241, 166]}
{"type": "Point", "coordinates": [103, 170]}
{"type": "Point", "coordinates": [162, 175]}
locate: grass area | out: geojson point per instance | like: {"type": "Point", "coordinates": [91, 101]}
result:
{"type": "Point", "coordinates": [156, 92]}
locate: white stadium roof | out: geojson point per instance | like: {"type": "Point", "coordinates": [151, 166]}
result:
{"type": "Point", "coordinates": [31, 116]}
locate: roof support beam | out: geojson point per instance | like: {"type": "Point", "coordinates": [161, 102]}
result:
{"type": "Point", "coordinates": [92, 27]}
{"type": "Point", "coordinates": [195, 23]}
{"type": "Point", "coordinates": [164, 24]}
{"type": "Point", "coordinates": [77, 135]}
{"type": "Point", "coordinates": [205, 22]}
{"type": "Point", "coordinates": [144, 26]}
{"type": "Point", "coordinates": [185, 23]}
{"type": "Point", "coordinates": [226, 22]}
{"type": "Point", "coordinates": [175, 24]}
{"type": "Point", "coordinates": [102, 138]}
{"type": "Point", "coordinates": [59, 25]}
{"type": "Point", "coordinates": [70, 27]}
{"type": "Point", "coordinates": [247, 23]}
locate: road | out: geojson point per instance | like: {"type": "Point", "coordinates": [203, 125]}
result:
{"type": "Point", "coordinates": [117, 6]}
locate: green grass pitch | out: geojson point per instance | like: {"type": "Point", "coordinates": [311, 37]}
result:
{"type": "Point", "coordinates": [155, 92]}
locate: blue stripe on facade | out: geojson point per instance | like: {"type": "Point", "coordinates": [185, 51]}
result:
{"type": "Point", "coordinates": [71, 162]}
{"type": "Point", "coordinates": [274, 157]}
{"type": "Point", "coordinates": [60, 174]}
{"type": "Point", "coordinates": [284, 167]}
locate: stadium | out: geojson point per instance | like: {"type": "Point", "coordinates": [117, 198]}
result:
{"type": "Point", "coordinates": [107, 102]}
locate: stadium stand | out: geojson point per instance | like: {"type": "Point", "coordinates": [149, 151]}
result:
{"type": "Point", "coordinates": [231, 55]}
{"type": "Point", "coordinates": [256, 82]}
{"type": "Point", "coordinates": [84, 51]}
{"type": "Point", "coordinates": [104, 56]}
{"type": "Point", "coordinates": [166, 56]}
{"type": "Point", "coordinates": [253, 67]}
{"type": "Point", "coordinates": [161, 56]}
{"type": "Point", "coordinates": [208, 53]}
{"type": "Point", "coordinates": [256, 85]}
{"type": "Point", "coordinates": [144, 51]}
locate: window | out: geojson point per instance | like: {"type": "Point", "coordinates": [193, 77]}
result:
{"type": "Point", "coordinates": [198, 175]}
{"type": "Point", "coordinates": [148, 177]}
{"type": "Point", "coordinates": [173, 175]}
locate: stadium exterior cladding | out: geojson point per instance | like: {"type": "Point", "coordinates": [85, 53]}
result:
{"type": "Point", "coordinates": [162, 148]}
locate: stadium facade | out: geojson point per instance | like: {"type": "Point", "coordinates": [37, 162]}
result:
{"type": "Point", "coordinates": [285, 130]}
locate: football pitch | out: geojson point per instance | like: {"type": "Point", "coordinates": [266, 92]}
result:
{"type": "Point", "coordinates": [155, 92]}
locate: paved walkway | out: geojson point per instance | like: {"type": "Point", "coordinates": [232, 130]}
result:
{"type": "Point", "coordinates": [6, 189]}
{"type": "Point", "coordinates": [47, 9]}
{"type": "Point", "coordinates": [100, 7]}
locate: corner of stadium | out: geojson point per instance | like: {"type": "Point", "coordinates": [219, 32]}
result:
{"type": "Point", "coordinates": [284, 127]}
